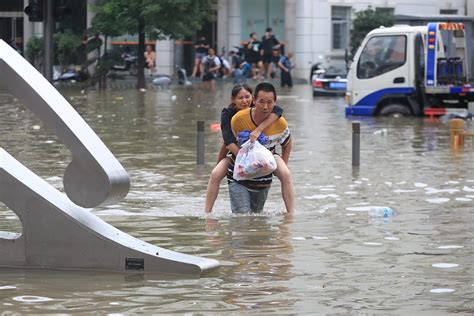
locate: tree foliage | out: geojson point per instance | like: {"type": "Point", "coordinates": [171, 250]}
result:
{"type": "Point", "coordinates": [365, 22]}
{"type": "Point", "coordinates": [34, 50]}
{"type": "Point", "coordinates": [67, 45]}
{"type": "Point", "coordinates": [159, 19]}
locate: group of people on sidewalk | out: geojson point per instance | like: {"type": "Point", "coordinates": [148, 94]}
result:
{"type": "Point", "coordinates": [256, 118]}
{"type": "Point", "coordinates": [256, 59]}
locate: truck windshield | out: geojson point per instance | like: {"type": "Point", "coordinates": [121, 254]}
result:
{"type": "Point", "coordinates": [381, 54]}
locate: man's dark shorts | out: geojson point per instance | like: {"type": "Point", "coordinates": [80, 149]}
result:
{"type": "Point", "coordinates": [267, 58]}
{"type": "Point", "coordinates": [253, 59]}
{"type": "Point", "coordinates": [208, 76]}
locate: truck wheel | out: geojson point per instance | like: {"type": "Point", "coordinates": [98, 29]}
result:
{"type": "Point", "coordinates": [395, 110]}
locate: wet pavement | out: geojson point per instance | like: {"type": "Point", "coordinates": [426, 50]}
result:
{"type": "Point", "coordinates": [327, 258]}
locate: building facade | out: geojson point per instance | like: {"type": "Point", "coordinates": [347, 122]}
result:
{"type": "Point", "coordinates": [314, 30]}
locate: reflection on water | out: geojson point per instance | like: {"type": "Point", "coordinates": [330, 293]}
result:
{"type": "Point", "coordinates": [327, 258]}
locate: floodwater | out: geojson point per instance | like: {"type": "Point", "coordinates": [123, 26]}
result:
{"type": "Point", "coordinates": [328, 258]}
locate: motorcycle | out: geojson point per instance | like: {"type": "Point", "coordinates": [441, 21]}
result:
{"type": "Point", "coordinates": [129, 63]}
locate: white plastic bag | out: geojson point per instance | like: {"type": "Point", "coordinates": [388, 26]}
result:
{"type": "Point", "coordinates": [253, 161]}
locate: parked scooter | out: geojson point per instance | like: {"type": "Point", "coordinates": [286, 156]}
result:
{"type": "Point", "coordinates": [77, 74]}
{"type": "Point", "coordinates": [129, 63]}
{"type": "Point", "coordinates": [182, 77]}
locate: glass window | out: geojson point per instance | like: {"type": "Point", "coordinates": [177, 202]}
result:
{"type": "Point", "coordinates": [340, 19]}
{"type": "Point", "coordinates": [448, 11]}
{"type": "Point", "coordinates": [381, 54]}
{"type": "Point", "coordinates": [387, 11]}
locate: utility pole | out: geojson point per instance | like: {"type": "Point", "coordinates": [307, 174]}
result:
{"type": "Point", "coordinates": [48, 32]}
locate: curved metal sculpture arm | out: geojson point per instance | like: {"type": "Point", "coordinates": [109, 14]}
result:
{"type": "Point", "coordinates": [58, 234]}
{"type": "Point", "coordinates": [94, 176]}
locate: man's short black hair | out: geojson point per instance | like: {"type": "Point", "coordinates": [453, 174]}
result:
{"type": "Point", "coordinates": [251, 34]}
{"type": "Point", "coordinates": [266, 87]}
{"type": "Point", "coordinates": [269, 29]}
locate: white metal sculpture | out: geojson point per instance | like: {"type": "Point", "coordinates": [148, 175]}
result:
{"type": "Point", "coordinates": [57, 231]}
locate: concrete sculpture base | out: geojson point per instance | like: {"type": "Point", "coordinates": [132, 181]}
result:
{"type": "Point", "coordinates": [57, 233]}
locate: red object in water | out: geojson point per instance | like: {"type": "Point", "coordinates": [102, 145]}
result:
{"type": "Point", "coordinates": [431, 112]}
{"type": "Point", "coordinates": [215, 127]}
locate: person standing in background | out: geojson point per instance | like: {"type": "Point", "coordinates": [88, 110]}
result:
{"type": "Point", "coordinates": [200, 50]}
{"type": "Point", "coordinates": [210, 67]}
{"type": "Point", "coordinates": [285, 65]}
{"type": "Point", "coordinates": [252, 55]}
{"type": "Point", "coordinates": [269, 43]}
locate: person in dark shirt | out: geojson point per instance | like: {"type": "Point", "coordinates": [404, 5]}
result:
{"type": "Point", "coordinates": [269, 43]}
{"type": "Point", "coordinates": [252, 55]}
{"type": "Point", "coordinates": [285, 65]}
{"type": "Point", "coordinates": [241, 99]}
{"type": "Point", "coordinates": [200, 50]}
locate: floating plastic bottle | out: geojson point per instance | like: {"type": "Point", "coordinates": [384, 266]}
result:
{"type": "Point", "coordinates": [381, 214]}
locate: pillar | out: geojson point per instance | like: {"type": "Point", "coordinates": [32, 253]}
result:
{"type": "Point", "coordinates": [303, 39]}
{"type": "Point", "coordinates": [164, 50]}
{"type": "Point", "coordinates": [235, 24]}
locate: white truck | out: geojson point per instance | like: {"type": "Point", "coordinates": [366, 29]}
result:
{"type": "Point", "coordinates": [411, 70]}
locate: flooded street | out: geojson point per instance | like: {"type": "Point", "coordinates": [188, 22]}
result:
{"type": "Point", "coordinates": [327, 258]}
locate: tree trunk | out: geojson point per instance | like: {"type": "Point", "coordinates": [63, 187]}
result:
{"type": "Point", "coordinates": [141, 57]}
{"type": "Point", "coordinates": [104, 78]}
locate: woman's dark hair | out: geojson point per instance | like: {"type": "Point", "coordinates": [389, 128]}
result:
{"type": "Point", "coordinates": [267, 87]}
{"type": "Point", "coordinates": [236, 89]}
{"type": "Point", "coordinates": [251, 34]}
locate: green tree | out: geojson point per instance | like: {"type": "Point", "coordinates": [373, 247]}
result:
{"type": "Point", "coordinates": [34, 50]}
{"type": "Point", "coordinates": [67, 45]}
{"type": "Point", "coordinates": [365, 22]}
{"type": "Point", "coordinates": [158, 19]}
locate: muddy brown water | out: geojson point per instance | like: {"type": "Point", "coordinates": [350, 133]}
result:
{"type": "Point", "coordinates": [328, 258]}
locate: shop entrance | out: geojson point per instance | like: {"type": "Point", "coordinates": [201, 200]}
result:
{"type": "Point", "coordinates": [11, 31]}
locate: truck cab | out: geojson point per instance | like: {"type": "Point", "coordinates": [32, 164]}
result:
{"type": "Point", "coordinates": [410, 70]}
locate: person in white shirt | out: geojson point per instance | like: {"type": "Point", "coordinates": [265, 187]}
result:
{"type": "Point", "coordinates": [210, 68]}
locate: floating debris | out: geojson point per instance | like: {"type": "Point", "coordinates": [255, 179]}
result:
{"type": "Point", "coordinates": [450, 247]}
{"type": "Point", "coordinates": [321, 196]}
{"type": "Point", "coordinates": [420, 185]}
{"type": "Point", "coordinates": [445, 265]}
{"type": "Point", "coordinates": [31, 299]}
{"type": "Point", "coordinates": [404, 191]}
{"type": "Point", "coordinates": [467, 189]}
{"type": "Point", "coordinates": [442, 290]}
{"type": "Point", "coordinates": [299, 238]}
{"type": "Point", "coordinates": [437, 200]}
